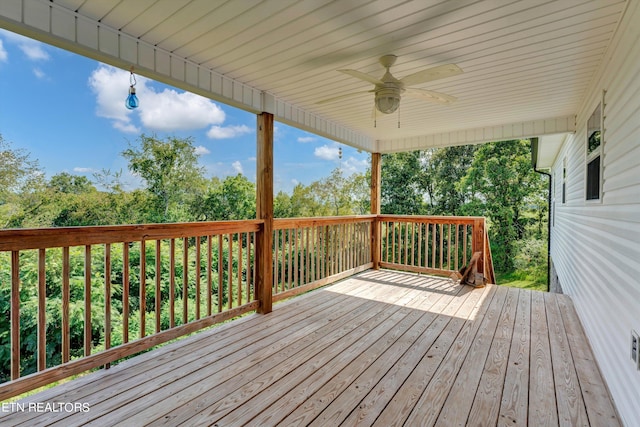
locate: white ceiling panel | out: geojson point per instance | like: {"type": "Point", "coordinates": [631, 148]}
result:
{"type": "Point", "coordinates": [524, 60]}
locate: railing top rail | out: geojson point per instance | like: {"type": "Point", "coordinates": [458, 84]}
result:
{"type": "Point", "coordinates": [21, 239]}
{"type": "Point", "coordinates": [285, 223]}
{"type": "Point", "coordinates": [432, 218]}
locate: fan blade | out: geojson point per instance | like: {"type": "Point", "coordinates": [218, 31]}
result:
{"type": "Point", "coordinates": [431, 74]}
{"type": "Point", "coordinates": [346, 95]}
{"type": "Point", "coordinates": [363, 76]}
{"type": "Point", "coordinates": [429, 95]}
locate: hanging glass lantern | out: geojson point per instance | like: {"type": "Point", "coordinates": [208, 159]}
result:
{"type": "Point", "coordinates": [132, 100]}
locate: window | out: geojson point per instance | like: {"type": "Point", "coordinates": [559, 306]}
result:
{"type": "Point", "coordinates": [593, 179]}
{"type": "Point", "coordinates": [564, 181]}
{"type": "Point", "coordinates": [594, 155]}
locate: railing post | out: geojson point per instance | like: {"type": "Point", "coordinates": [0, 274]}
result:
{"type": "Point", "coordinates": [478, 244]}
{"type": "Point", "coordinates": [264, 211]}
{"type": "Point", "coordinates": [375, 209]}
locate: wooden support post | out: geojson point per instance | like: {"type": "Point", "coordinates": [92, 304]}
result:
{"type": "Point", "coordinates": [375, 209]}
{"type": "Point", "coordinates": [264, 211]}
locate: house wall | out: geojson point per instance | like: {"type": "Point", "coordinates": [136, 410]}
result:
{"type": "Point", "coordinates": [595, 246]}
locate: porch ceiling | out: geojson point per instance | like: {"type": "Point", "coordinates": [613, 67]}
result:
{"type": "Point", "coordinates": [527, 64]}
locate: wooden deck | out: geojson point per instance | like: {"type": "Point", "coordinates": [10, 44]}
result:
{"type": "Point", "coordinates": [381, 348]}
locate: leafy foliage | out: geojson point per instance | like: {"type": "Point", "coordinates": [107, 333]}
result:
{"type": "Point", "coordinates": [402, 184]}
{"type": "Point", "coordinates": [170, 170]}
{"type": "Point", "coordinates": [493, 180]}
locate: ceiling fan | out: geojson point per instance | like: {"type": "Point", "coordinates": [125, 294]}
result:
{"type": "Point", "coordinates": [388, 89]}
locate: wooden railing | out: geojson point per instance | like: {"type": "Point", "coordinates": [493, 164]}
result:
{"type": "Point", "coordinates": [434, 244]}
{"type": "Point", "coordinates": [83, 297]}
{"type": "Point", "coordinates": [74, 299]}
{"type": "Point", "coordinates": [312, 252]}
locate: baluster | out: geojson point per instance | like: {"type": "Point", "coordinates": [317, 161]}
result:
{"type": "Point", "coordinates": [239, 269]}
{"type": "Point", "coordinates": [66, 330]}
{"type": "Point", "coordinates": [42, 320]}
{"type": "Point", "coordinates": [209, 273]}
{"type": "Point", "coordinates": [220, 274]}
{"type": "Point", "coordinates": [107, 298]}
{"type": "Point", "coordinates": [158, 296]}
{"type": "Point", "coordinates": [143, 288]}
{"type": "Point", "coordinates": [125, 292]}
{"type": "Point", "coordinates": [15, 315]}
{"type": "Point", "coordinates": [198, 271]}
{"type": "Point", "coordinates": [230, 272]}
{"type": "Point", "coordinates": [87, 300]}
{"type": "Point", "coordinates": [185, 280]}
{"type": "Point", "coordinates": [172, 283]}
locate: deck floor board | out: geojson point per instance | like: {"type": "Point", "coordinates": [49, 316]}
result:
{"type": "Point", "coordinates": [380, 348]}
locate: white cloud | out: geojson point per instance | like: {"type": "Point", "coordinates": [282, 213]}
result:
{"type": "Point", "coordinates": [167, 110]}
{"type": "Point", "coordinates": [237, 166]}
{"type": "Point", "coordinates": [295, 182]}
{"type": "Point", "coordinates": [225, 132]}
{"type": "Point", "coordinates": [39, 73]}
{"type": "Point", "coordinates": [326, 152]}
{"type": "Point", "coordinates": [306, 139]}
{"type": "Point", "coordinates": [202, 150]}
{"type": "Point", "coordinates": [3, 53]}
{"type": "Point", "coordinates": [126, 127]}
{"type": "Point", "coordinates": [111, 87]}
{"type": "Point", "coordinates": [34, 50]}
{"type": "Point", "coordinates": [353, 165]}
{"type": "Point", "coordinates": [83, 170]}
{"type": "Point", "coordinates": [224, 169]}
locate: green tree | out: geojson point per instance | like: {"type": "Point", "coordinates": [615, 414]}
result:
{"type": "Point", "coordinates": [234, 198]}
{"type": "Point", "coordinates": [334, 192]}
{"type": "Point", "coordinates": [21, 181]}
{"type": "Point", "coordinates": [70, 184]}
{"type": "Point", "coordinates": [359, 185]}
{"type": "Point", "coordinates": [171, 173]}
{"type": "Point", "coordinates": [449, 166]}
{"type": "Point", "coordinates": [282, 207]}
{"type": "Point", "coordinates": [402, 184]}
{"type": "Point", "coordinates": [305, 201]}
{"type": "Point", "coordinates": [17, 170]}
{"type": "Point", "coordinates": [500, 182]}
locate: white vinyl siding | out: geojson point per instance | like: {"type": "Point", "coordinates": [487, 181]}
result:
{"type": "Point", "coordinates": [596, 247]}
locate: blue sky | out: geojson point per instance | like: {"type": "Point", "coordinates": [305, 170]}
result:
{"type": "Point", "coordinates": [68, 112]}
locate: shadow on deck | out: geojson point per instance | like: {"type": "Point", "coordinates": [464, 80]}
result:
{"type": "Point", "coordinates": [380, 348]}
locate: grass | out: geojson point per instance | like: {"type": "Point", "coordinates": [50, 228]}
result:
{"type": "Point", "coordinates": [522, 280]}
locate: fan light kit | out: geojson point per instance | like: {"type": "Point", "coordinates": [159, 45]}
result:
{"type": "Point", "coordinates": [388, 90]}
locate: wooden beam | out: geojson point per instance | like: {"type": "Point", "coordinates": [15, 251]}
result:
{"type": "Point", "coordinates": [375, 208]}
{"type": "Point", "coordinates": [264, 211]}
